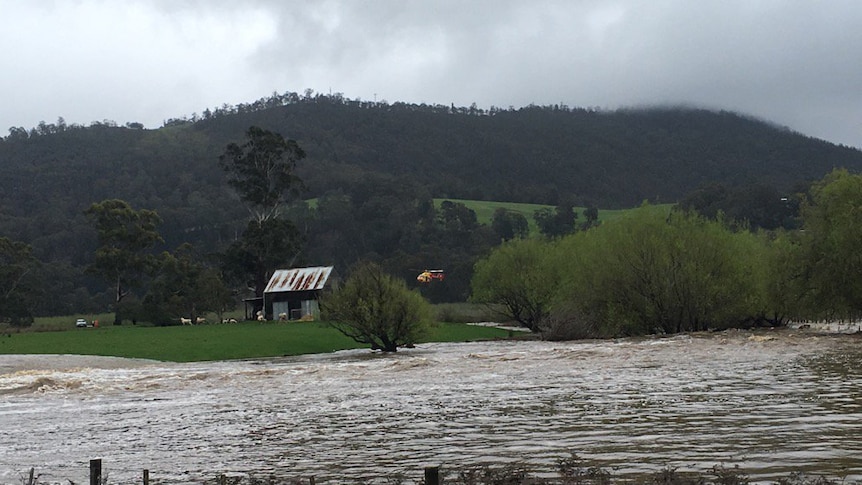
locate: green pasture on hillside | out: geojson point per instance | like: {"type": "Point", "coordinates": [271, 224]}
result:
{"type": "Point", "coordinates": [211, 342]}
{"type": "Point", "coordinates": [485, 210]}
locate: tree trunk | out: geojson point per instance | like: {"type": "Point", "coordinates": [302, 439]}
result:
{"type": "Point", "coordinates": [117, 318]}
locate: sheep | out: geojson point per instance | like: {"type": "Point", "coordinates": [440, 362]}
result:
{"type": "Point", "coordinates": [229, 320]}
{"type": "Point", "coordinates": [186, 321]}
{"type": "Point", "coordinates": [200, 320]}
{"type": "Point", "coordinates": [282, 317]}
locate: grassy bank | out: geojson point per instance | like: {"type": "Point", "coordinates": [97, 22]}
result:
{"type": "Point", "coordinates": [211, 342]}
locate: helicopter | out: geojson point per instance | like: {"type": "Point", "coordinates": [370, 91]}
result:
{"type": "Point", "coordinates": [430, 275]}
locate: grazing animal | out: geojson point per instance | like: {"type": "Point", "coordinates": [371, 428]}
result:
{"type": "Point", "coordinates": [260, 317]}
{"type": "Point", "coordinates": [200, 320]}
{"type": "Point", "coordinates": [229, 320]}
{"type": "Point", "coordinates": [185, 321]}
{"type": "Point", "coordinates": [282, 317]}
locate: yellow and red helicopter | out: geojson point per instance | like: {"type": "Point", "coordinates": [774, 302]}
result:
{"type": "Point", "coordinates": [430, 275]}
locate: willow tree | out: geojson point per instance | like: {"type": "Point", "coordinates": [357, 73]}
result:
{"type": "Point", "coordinates": [832, 246]}
{"type": "Point", "coordinates": [652, 272]}
{"type": "Point", "coordinates": [375, 308]}
{"type": "Point", "coordinates": [126, 238]}
{"type": "Point", "coordinates": [520, 278]}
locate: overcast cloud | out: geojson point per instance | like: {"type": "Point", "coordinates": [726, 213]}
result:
{"type": "Point", "coordinates": [796, 63]}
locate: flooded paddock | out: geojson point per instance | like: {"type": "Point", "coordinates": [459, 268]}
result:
{"type": "Point", "coordinates": [769, 402]}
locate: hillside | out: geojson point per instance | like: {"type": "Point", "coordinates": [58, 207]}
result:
{"type": "Point", "coordinates": [531, 155]}
{"type": "Point", "coordinates": [376, 165]}
{"type": "Point", "coordinates": [536, 155]}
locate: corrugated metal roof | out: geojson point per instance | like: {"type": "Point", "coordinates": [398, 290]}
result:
{"type": "Point", "coordinates": [298, 279]}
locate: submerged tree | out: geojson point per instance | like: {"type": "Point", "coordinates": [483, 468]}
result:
{"type": "Point", "coordinates": [375, 308]}
{"type": "Point", "coordinates": [126, 237]}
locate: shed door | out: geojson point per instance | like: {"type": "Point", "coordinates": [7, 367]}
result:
{"type": "Point", "coordinates": [279, 307]}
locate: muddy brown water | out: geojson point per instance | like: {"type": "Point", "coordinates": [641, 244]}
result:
{"type": "Point", "coordinates": [770, 403]}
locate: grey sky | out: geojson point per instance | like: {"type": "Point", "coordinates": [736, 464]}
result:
{"type": "Point", "coordinates": [796, 63]}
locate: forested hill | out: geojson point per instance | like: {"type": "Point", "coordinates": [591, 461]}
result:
{"type": "Point", "coordinates": [538, 154]}
{"type": "Point", "coordinates": [51, 173]}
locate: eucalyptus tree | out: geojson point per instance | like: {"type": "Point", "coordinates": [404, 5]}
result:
{"type": "Point", "coordinates": [18, 285]}
{"type": "Point", "coordinates": [126, 238]}
{"type": "Point", "coordinates": [262, 172]}
{"type": "Point", "coordinates": [508, 224]}
{"type": "Point", "coordinates": [185, 287]}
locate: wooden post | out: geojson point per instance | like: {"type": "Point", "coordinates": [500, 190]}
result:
{"type": "Point", "coordinates": [96, 472]}
{"type": "Point", "coordinates": [311, 480]}
{"type": "Point", "coordinates": [32, 471]}
{"type": "Point", "coordinates": [432, 475]}
{"type": "Point", "coordinates": [146, 477]}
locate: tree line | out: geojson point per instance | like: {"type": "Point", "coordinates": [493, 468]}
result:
{"type": "Point", "coordinates": [718, 259]}
{"type": "Point", "coordinates": [387, 225]}
{"type": "Point", "coordinates": [548, 155]}
{"type": "Point", "coordinates": [371, 173]}
{"type": "Point", "coordinates": [659, 271]}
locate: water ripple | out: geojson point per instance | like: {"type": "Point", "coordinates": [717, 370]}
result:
{"type": "Point", "coordinates": [770, 404]}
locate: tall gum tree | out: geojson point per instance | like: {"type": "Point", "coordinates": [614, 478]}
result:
{"type": "Point", "coordinates": [126, 237]}
{"type": "Point", "coordinates": [17, 286]}
{"type": "Point", "coordinates": [262, 172]}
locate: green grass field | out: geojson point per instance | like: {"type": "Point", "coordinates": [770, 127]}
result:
{"type": "Point", "coordinates": [211, 342]}
{"type": "Point", "coordinates": [485, 210]}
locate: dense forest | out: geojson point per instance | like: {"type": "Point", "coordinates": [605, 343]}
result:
{"type": "Point", "coordinates": [370, 172]}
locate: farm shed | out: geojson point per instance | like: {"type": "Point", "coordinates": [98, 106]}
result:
{"type": "Point", "coordinates": [294, 292]}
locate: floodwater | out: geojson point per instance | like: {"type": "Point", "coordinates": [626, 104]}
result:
{"type": "Point", "coordinates": [770, 403]}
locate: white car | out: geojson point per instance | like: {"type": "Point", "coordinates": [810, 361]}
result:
{"type": "Point", "coordinates": [80, 323]}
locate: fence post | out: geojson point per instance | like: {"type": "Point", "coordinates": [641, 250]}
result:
{"type": "Point", "coordinates": [311, 480]}
{"type": "Point", "coordinates": [96, 472]}
{"type": "Point", "coordinates": [32, 471]}
{"type": "Point", "coordinates": [146, 477]}
{"type": "Point", "coordinates": [432, 475]}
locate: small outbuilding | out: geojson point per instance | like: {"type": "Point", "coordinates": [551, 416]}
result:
{"type": "Point", "coordinates": [294, 293]}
